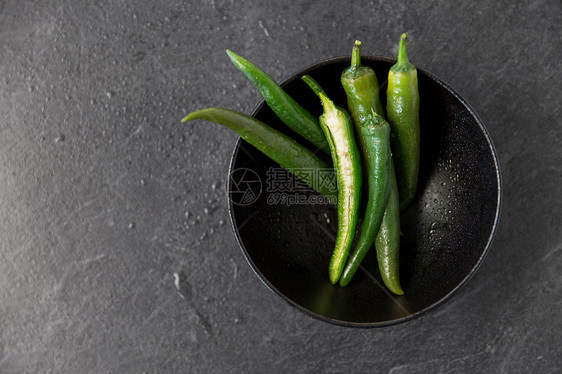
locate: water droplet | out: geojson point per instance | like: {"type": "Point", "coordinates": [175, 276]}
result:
{"type": "Point", "coordinates": [206, 211]}
{"type": "Point", "coordinates": [142, 182]}
{"type": "Point", "coordinates": [182, 286]}
{"type": "Point", "coordinates": [110, 94]}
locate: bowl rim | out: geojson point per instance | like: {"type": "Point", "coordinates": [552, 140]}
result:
{"type": "Point", "coordinates": [445, 298]}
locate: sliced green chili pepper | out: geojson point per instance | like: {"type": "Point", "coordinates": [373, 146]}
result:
{"type": "Point", "coordinates": [402, 107]}
{"type": "Point", "coordinates": [337, 126]}
{"type": "Point", "coordinates": [361, 88]}
{"type": "Point", "coordinates": [288, 110]}
{"type": "Point", "coordinates": [279, 147]}
{"type": "Point", "coordinates": [374, 134]}
{"type": "Point", "coordinates": [387, 242]}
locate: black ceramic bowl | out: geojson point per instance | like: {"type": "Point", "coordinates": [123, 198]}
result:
{"type": "Point", "coordinates": [447, 231]}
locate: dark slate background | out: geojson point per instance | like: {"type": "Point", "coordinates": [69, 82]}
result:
{"type": "Point", "coordinates": [104, 195]}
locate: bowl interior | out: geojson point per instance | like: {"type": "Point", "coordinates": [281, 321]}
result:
{"type": "Point", "coordinates": [446, 231]}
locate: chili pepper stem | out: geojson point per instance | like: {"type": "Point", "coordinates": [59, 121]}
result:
{"type": "Point", "coordinates": [356, 55]}
{"type": "Point", "coordinates": [326, 102]}
{"type": "Point", "coordinates": [402, 53]}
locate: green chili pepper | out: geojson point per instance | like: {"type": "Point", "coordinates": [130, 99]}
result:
{"type": "Point", "coordinates": [279, 147]}
{"type": "Point", "coordinates": [288, 110]}
{"type": "Point", "coordinates": [338, 128]}
{"type": "Point", "coordinates": [374, 135]}
{"type": "Point", "coordinates": [402, 107]}
{"type": "Point", "coordinates": [382, 214]}
{"type": "Point", "coordinates": [361, 88]}
{"type": "Point", "coordinates": [387, 242]}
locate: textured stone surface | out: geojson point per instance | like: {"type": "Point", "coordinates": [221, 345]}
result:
{"type": "Point", "coordinates": [104, 195]}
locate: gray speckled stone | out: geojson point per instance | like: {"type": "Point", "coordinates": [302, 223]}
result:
{"type": "Point", "coordinates": [104, 195]}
